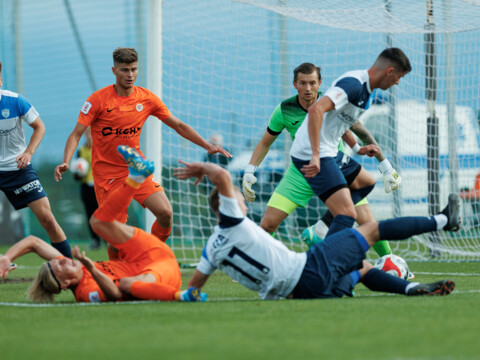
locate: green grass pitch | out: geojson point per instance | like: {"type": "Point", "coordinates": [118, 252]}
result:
{"type": "Point", "coordinates": [235, 324]}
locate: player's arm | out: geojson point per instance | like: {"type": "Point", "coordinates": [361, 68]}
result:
{"type": "Point", "coordinates": [108, 287]}
{"type": "Point", "coordinates": [70, 147]}
{"type": "Point", "coordinates": [38, 132]}
{"type": "Point", "coordinates": [189, 133]}
{"type": "Point", "coordinates": [392, 180]}
{"type": "Point", "coordinates": [198, 279]}
{"type": "Point", "coordinates": [218, 176]}
{"type": "Point", "coordinates": [369, 150]}
{"type": "Point", "coordinates": [27, 245]}
{"type": "Point", "coordinates": [261, 150]}
{"type": "Point", "coordinates": [315, 119]}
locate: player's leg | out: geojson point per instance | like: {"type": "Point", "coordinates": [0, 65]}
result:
{"type": "Point", "coordinates": [161, 208]}
{"type": "Point", "coordinates": [90, 204]}
{"type": "Point", "coordinates": [331, 187]}
{"type": "Point", "coordinates": [104, 221]}
{"type": "Point", "coordinates": [377, 280]}
{"type": "Point", "coordinates": [291, 192]}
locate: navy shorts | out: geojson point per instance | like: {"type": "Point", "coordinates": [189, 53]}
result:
{"type": "Point", "coordinates": [331, 267]}
{"type": "Point", "coordinates": [21, 186]}
{"type": "Point", "coordinates": [349, 167]}
{"type": "Point", "coordinates": [328, 181]}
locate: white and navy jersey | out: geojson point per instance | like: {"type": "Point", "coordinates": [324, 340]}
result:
{"type": "Point", "coordinates": [245, 252]}
{"type": "Point", "coordinates": [349, 93]}
{"type": "Point", "coordinates": [13, 109]}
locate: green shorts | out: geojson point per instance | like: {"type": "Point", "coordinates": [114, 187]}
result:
{"type": "Point", "coordinates": [294, 191]}
{"type": "Point", "coordinates": [293, 188]}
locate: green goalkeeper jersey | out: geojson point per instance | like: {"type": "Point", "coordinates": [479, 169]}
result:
{"type": "Point", "coordinates": [289, 115]}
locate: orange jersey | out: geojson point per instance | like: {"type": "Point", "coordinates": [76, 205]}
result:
{"type": "Point", "coordinates": [117, 120]}
{"type": "Point", "coordinates": [143, 253]}
{"type": "Point", "coordinates": [89, 291]}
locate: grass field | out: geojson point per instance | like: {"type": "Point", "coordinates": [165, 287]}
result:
{"type": "Point", "coordinates": [234, 324]}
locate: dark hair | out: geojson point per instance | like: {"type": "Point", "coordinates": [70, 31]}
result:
{"type": "Point", "coordinates": [214, 200]}
{"type": "Point", "coordinates": [123, 55]}
{"type": "Point", "coordinates": [306, 68]}
{"type": "Point", "coordinates": [1, 65]}
{"type": "Point", "coordinates": [397, 58]}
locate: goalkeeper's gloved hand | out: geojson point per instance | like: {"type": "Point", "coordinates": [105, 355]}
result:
{"type": "Point", "coordinates": [248, 180]}
{"type": "Point", "coordinates": [392, 180]}
{"type": "Point", "coordinates": [193, 294]}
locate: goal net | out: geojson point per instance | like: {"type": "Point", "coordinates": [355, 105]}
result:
{"type": "Point", "coordinates": [225, 66]}
{"type": "Point", "coordinates": [231, 63]}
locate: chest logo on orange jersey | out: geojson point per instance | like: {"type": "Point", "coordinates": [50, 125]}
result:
{"type": "Point", "coordinates": [139, 107]}
{"type": "Point", "coordinates": [127, 132]}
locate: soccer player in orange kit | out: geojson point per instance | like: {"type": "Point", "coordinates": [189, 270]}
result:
{"type": "Point", "coordinates": [146, 270]}
{"type": "Point", "coordinates": [116, 115]}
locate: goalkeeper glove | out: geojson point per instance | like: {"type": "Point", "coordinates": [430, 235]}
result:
{"type": "Point", "coordinates": [248, 180]}
{"type": "Point", "coordinates": [192, 294]}
{"type": "Point", "coordinates": [392, 180]}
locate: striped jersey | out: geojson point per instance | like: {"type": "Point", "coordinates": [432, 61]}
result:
{"type": "Point", "coordinates": [14, 109]}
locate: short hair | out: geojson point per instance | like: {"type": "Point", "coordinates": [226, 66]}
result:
{"type": "Point", "coordinates": [306, 68]}
{"type": "Point", "coordinates": [44, 286]}
{"type": "Point", "coordinates": [394, 57]}
{"type": "Point", "coordinates": [122, 55]}
{"type": "Point", "coordinates": [214, 200]}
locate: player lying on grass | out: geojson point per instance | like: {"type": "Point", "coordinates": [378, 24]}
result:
{"type": "Point", "coordinates": [147, 268]}
{"type": "Point", "coordinates": [245, 252]}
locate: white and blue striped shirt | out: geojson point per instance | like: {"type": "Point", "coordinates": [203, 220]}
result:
{"type": "Point", "coordinates": [13, 109]}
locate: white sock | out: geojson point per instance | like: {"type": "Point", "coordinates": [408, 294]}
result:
{"type": "Point", "coordinates": [409, 286]}
{"type": "Point", "coordinates": [441, 220]}
{"type": "Point", "coordinates": [137, 178]}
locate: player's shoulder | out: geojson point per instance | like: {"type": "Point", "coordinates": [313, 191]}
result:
{"type": "Point", "coordinates": [145, 93]}
{"type": "Point", "coordinates": [355, 77]}
{"type": "Point", "coordinates": [8, 94]}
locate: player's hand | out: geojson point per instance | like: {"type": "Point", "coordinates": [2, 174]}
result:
{"type": "Point", "coordinates": [312, 169]}
{"type": "Point", "coordinates": [369, 150]}
{"type": "Point", "coordinates": [5, 266]}
{"type": "Point", "coordinates": [218, 149]}
{"type": "Point", "coordinates": [80, 256]}
{"type": "Point", "coordinates": [392, 180]}
{"type": "Point", "coordinates": [248, 180]}
{"type": "Point", "coordinates": [60, 170]}
{"type": "Point", "coordinates": [23, 160]}
{"type": "Point", "coordinates": [190, 170]}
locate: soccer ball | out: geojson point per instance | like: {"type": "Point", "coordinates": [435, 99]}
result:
{"type": "Point", "coordinates": [79, 167]}
{"type": "Point", "coordinates": [393, 265]}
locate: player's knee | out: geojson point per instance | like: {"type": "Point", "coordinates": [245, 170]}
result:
{"type": "Point", "coordinates": [125, 284]}
{"type": "Point", "coordinates": [47, 220]}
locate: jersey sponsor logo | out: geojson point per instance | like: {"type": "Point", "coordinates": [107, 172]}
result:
{"type": "Point", "coordinates": [6, 132]}
{"type": "Point", "coordinates": [347, 118]}
{"type": "Point", "coordinates": [107, 131]}
{"type": "Point", "coordinates": [139, 107]}
{"type": "Point", "coordinates": [6, 113]}
{"type": "Point", "coordinates": [220, 240]}
{"type": "Point", "coordinates": [94, 297]}
{"type": "Point", "coordinates": [33, 185]}
{"type": "Point", "coordinates": [86, 107]}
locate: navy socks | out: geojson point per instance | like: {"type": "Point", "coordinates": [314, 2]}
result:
{"type": "Point", "coordinates": [63, 247]}
{"type": "Point", "coordinates": [405, 227]}
{"type": "Point", "coordinates": [377, 280]}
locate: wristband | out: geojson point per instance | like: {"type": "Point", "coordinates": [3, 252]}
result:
{"type": "Point", "coordinates": [250, 168]}
{"type": "Point", "coordinates": [356, 148]}
{"type": "Point", "coordinates": [384, 166]}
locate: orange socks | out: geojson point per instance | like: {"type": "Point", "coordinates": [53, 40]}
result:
{"type": "Point", "coordinates": [160, 232]}
{"type": "Point", "coordinates": [153, 291]}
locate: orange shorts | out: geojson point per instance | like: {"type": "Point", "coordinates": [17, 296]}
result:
{"type": "Point", "coordinates": [105, 186]}
{"type": "Point", "coordinates": [147, 254]}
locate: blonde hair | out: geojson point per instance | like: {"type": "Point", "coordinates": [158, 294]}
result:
{"type": "Point", "coordinates": [44, 286]}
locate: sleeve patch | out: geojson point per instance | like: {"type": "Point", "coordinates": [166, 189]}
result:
{"type": "Point", "coordinates": [94, 297]}
{"type": "Point", "coordinates": [86, 107]}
